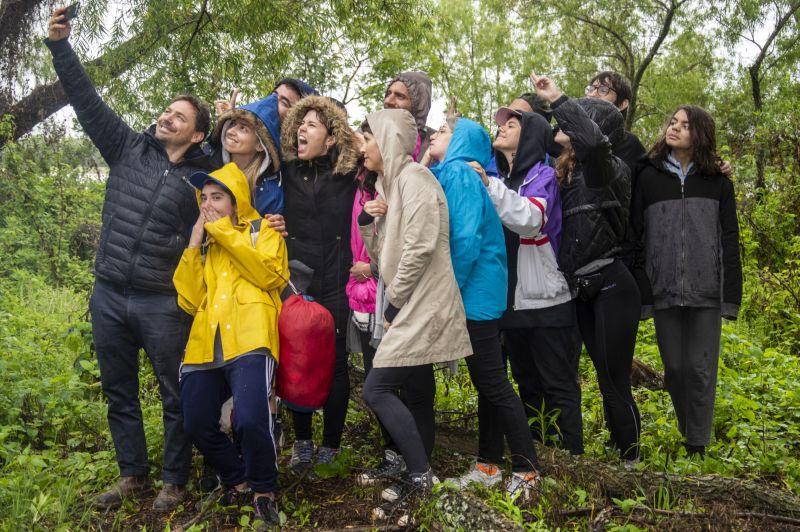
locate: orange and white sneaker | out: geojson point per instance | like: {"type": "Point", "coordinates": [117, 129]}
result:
{"type": "Point", "coordinates": [481, 473]}
{"type": "Point", "coordinates": [519, 486]}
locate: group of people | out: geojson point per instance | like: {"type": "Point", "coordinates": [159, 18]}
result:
{"type": "Point", "coordinates": [426, 247]}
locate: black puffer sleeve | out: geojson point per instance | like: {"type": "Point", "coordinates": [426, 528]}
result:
{"type": "Point", "coordinates": [105, 128]}
{"type": "Point", "coordinates": [592, 148]}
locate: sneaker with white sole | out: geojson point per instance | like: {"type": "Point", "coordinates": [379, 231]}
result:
{"type": "Point", "coordinates": [302, 456]}
{"type": "Point", "coordinates": [398, 490]}
{"type": "Point", "coordinates": [392, 466]}
{"type": "Point", "coordinates": [519, 486]}
{"type": "Point", "coordinates": [481, 473]}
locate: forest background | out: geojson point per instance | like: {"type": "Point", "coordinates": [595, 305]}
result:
{"type": "Point", "coordinates": [738, 59]}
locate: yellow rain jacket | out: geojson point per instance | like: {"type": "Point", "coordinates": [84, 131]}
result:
{"type": "Point", "coordinates": [236, 290]}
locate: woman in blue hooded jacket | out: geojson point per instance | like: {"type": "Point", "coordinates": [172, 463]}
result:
{"type": "Point", "coordinates": [478, 253]}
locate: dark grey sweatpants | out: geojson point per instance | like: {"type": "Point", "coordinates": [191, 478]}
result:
{"type": "Point", "coordinates": [688, 340]}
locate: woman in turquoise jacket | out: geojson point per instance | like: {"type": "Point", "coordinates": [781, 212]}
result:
{"type": "Point", "coordinates": [478, 252]}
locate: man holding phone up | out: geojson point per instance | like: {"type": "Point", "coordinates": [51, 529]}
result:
{"type": "Point", "coordinates": [148, 213]}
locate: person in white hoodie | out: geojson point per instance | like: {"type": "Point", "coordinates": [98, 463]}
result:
{"type": "Point", "coordinates": [540, 333]}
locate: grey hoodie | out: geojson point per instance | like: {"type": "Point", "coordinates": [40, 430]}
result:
{"type": "Point", "coordinates": [419, 90]}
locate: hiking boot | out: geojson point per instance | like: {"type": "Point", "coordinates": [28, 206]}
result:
{"type": "Point", "coordinates": [520, 485]}
{"type": "Point", "coordinates": [302, 454]}
{"type": "Point", "coordinates": [482, 473]}
{"type": "Point", "coordinates": [392, 466]}
{"type": "Point", "coordinates": [325, 455]}
{"type": "Point", "coordinates": [125, 488]}
{"type": "Point", "coordinates": [170, 496]}
{"type": "Point", "coordinates": [265, 509]}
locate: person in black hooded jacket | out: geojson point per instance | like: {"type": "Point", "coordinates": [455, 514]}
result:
{"type": "Point", "coordinates": [595, 194]}
{"type": "Point", "coordinates": [318, 173]}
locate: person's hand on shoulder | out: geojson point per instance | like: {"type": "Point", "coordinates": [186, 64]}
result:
{"type": "Point", "coordinates": [278, 223]}
{"type": "Point", "coordinates": [481, 172]}
{"type": "Point", "coordinates": [726, 168]}
{"type": "Point", "coordinates": [58, 27]}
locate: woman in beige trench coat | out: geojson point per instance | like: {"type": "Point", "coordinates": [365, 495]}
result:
{"type": "Point", "coordinates": [407, 233]}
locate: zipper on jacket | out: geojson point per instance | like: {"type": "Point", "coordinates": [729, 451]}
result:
{"type": "Point", "coordinates": [137, 243]}
{"type": "Point", "coordinates": [683, 239]}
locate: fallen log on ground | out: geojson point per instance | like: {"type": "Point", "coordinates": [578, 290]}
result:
{"type": "Point", "coordinates": [644, 376]}
{"type": "Point", "coordinates": [615, 481]}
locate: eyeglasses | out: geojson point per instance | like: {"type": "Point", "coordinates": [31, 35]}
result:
{"type": "Point", "coordinates": [602, 90]}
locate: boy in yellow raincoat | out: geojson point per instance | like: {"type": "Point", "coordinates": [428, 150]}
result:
{"type": "Point", "coordinates": [230, 278]}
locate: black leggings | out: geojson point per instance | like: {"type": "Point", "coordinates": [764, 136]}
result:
{"type": "Point", "coordinates": [608, 324]}
{"type": "Point", "coordinates": [413, 433]}
{"type": "Point", "coordinates": [500, 410]}
{"type": "Point", "coordinates": [335, 407]}
{"type": "Point", "coordinates": [416, 395]}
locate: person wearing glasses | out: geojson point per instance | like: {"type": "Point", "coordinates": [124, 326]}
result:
{"type": "Point", "coordinates": [614, 88]}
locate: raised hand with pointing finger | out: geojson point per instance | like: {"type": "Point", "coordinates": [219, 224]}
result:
{"type": "Point", "coordinates": [545, 87]}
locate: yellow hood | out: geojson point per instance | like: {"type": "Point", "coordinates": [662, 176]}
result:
{"type": "Point", "coordinates": [231, 178]}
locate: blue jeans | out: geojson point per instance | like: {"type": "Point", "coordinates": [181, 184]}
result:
{"type": "Point", "coordinates": [123, 321]}
{"type": "Point", "coordinates": [249, 380]}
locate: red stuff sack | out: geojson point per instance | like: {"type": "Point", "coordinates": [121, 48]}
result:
{"type": "Point", "coordinates": [307, 355]}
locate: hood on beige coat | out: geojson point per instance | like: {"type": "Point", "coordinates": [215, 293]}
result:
{"type": "Point", "coordinates": [411, 246]}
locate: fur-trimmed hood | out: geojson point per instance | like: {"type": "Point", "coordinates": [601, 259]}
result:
{"type": "Point", "coordinates": [263, 116]}
{"type": "Point", "coordinates": [345, 139]}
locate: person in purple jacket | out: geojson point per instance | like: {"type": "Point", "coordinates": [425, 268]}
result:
{"type": "Point", "coordinates": [541, 336]}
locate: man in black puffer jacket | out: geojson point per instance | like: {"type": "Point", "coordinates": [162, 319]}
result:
{"type": "Point", "coordinates": [148, 214]}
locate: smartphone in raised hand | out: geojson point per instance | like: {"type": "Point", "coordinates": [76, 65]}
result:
{"type": "Point", "coordinates": [71, 11]}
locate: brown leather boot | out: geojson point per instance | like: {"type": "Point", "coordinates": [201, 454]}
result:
{"type": "Point", "coordinates": [125, 488]}
{"type": "Point", "coordinates": [170, 496]}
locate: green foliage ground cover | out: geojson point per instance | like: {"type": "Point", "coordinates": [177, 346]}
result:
{"type": "Point", "coordinates": [56, 453]}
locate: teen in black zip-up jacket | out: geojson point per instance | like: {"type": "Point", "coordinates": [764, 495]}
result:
{"type": "Point", "coordinates": [684, 215]}
{"type": "Point", "coordinates": [595, 198]}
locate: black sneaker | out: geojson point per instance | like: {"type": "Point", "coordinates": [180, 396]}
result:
{"type": "Point", "coordinates": [233, 497]}
{"type": "Point", "coordinates": [410, 484]}
{"type": "Point", "coordinates": [392, 466]}
{"type": "Point", "coordinates": [266, 510]}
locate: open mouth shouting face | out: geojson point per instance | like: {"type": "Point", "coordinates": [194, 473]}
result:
{"type": "Point", "coordinates": [313, 137]}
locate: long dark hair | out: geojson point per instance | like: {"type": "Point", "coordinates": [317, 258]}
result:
{"type": "Point", "coordinates": [365, 179]}
{"type": "Point", "coordinates": [703, 136]}
{"type": "Point", "coordinates": [565, 166]}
